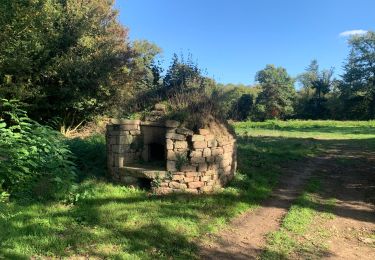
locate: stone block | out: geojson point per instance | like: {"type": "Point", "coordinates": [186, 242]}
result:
{"type": "Point", "coordinates": [184, 131]}
{"type": "Point", "coordinates": [227, 156]}
{"type": "Point", "coordinates": [212, 143]}
{"type": "Point", "coordinates": [191, 174]}
{"type": "Point", "coordinates": [209, 173]}
{"type": "Point", "coordinates": [204, 132]}
{"type": "Point", "coordinates": [135, 132]}
{"type": "Point", "coordinates": [171, 155]}
{"type": "Point", "coordinates": [223, 142]}
{"type": "Point", "coordinates": [224, 163]}
{"type": "Point", "coordinates": [206, 152]}
{"type": "Point", "coordinates": [197, 160]}
{"type": "Point", "coordinates": [228, 148]}
{"type": "Point", "coordinates": [196, 138]}
{"type": "Point", "coordinates": [180, 144]}
{"type": "Point", "coordinates": [124, 122]}
{"type": "Point", "coordinates": [228, 169]}
{"type": "Point", "coordinates": [205, 178]}
{"type": "Point", "coordinates": [171, 166]}
{"type": "Point", "coordinates": [217, 151]}
{"type": "Point", "coordinates": [202, 167]}
{"type": "Point", "coordinates": [178, 177]}
{"type": "Point", "coordinates": [169, 144]}
{"type": "Point", "coordinates": [219, 158]}
{"type": "Point", "coordinates": [210, 159]}
{"type": "Point", "coordinates": [118, 161]}
{"type": "Point", "coordinates": [172, 123]}
{"type": "Point", "coordinates": [174, 136]}
{"type": "Point", "coordinates": [190, 179]}
{"type": "Point", "coordinates": [199, 145]}
{"type": "Point", "coordinates": [188, 168]}
{"type": "Point", "coordinates": [164, 184]}
{"type": "Point", "coordinates": [209, 137]}
{"type": "Point", "coordinates": [130, 127]}
{"type": "Point", "coordinates": [125, 139]}
{"type": "Point", "coordinates": [196, 153]}
{"type": "Point", "coordinates": [177, 185]}
{"type": "Point", "coordinates": [195, 184]}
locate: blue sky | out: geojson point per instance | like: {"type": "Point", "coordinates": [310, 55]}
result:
{"type": "Point", "coordinates": [233, 39]}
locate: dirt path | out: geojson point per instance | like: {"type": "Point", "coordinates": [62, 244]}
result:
{"type": "Point", "coordinates": [350, 184]}
{"type": "Point", "coordinates": [245, 237]}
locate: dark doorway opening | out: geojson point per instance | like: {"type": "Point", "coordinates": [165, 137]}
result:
{"type": "Point", "coordinates": [144, 183]}
{"type": "Point", "coordinates": [156, 152]}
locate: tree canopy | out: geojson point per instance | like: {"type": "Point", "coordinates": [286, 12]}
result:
{"type": "Point", "coordinates": [276, 97]}
{"type": "Point", "coordinates": [358, 81]}
{"type": "Point", "coordinates": [64, 59]}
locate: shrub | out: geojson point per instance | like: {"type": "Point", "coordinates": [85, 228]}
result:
{"type": "Point", "coordinates": [35, 162]}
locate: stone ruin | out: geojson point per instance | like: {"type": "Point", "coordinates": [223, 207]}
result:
{"type": "Point", "coordinates": [165, 157]}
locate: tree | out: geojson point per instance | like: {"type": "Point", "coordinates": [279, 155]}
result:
{"type": "Point", "coordinates": [358, 85]}
{"type": "Point", "coordinates": [243, 107]}
{"type": "Point", "coordinates": [276, 97]}
{"type": "Point", "coordinates": [235, 100]}
{"type": "Point", "coordinates": [183, 76]}
{"type": "Point", "coordinates": [315, 86]}
{"type": "Point", "coordinates": [145, 79]}
{"type": "Point", "coordinates": [69, 58]}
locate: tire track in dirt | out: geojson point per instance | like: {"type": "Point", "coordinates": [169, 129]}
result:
{"type": "Point", "coordinates": [245, 237]}
{"type": "Point", "coordinates": [353, 187]}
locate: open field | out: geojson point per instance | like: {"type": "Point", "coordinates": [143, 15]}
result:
{"type": "Point", "coordinates": [106, 220]}
{"type": "Point", "coordinates": [317, 129]}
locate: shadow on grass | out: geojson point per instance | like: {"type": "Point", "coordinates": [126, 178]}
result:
{"type": "Point", "coordinates": [112, 221]}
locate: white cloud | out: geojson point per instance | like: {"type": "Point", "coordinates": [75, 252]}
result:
{"type": "Point", "coordinates": [352, 32]}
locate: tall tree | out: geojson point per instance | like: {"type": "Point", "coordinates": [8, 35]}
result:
{"type": "Point", "coordinates": [183, 76]}
{"type": "Point", "coordinates": [358, 85]}
{"type": "Point", "coordinates": [145, 79]}
{"type": "Point", "coordinates": [63, 58]}
{"type": "Point", "coordinates": [276, 98]}
{"type": "Point", "coordinates": [316, 85]}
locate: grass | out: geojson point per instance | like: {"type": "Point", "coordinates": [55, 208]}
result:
{"type": "Point", "coordinates": [110, 221]}
{"type": "Point", "coordinates": [300, 229]}
{"type": "Point", "coordinates": [318, 129]}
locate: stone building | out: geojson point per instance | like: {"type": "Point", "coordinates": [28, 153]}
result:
{"type": "Point", "coordinates": [165, 157]}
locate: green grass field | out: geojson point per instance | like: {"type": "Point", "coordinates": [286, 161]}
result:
{"type": "Point", "coordinates": [317, 129]}
{"type": "Point", "coordinates": [117, 222]}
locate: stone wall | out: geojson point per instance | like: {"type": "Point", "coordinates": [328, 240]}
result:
{"type": "Point", "coordinates": [194, 162]}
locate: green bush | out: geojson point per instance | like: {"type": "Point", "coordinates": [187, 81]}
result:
{"type": "Point", "coordinates": [35, 162]}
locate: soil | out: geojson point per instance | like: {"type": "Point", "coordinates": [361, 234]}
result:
{"type": "Point", "coordinates": [352, 184]}
{"type": "Point", "coordinates": [348, 175]}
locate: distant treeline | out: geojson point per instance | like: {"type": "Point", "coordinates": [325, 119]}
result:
{"type": "Point", "coordinates": [70, 61]}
